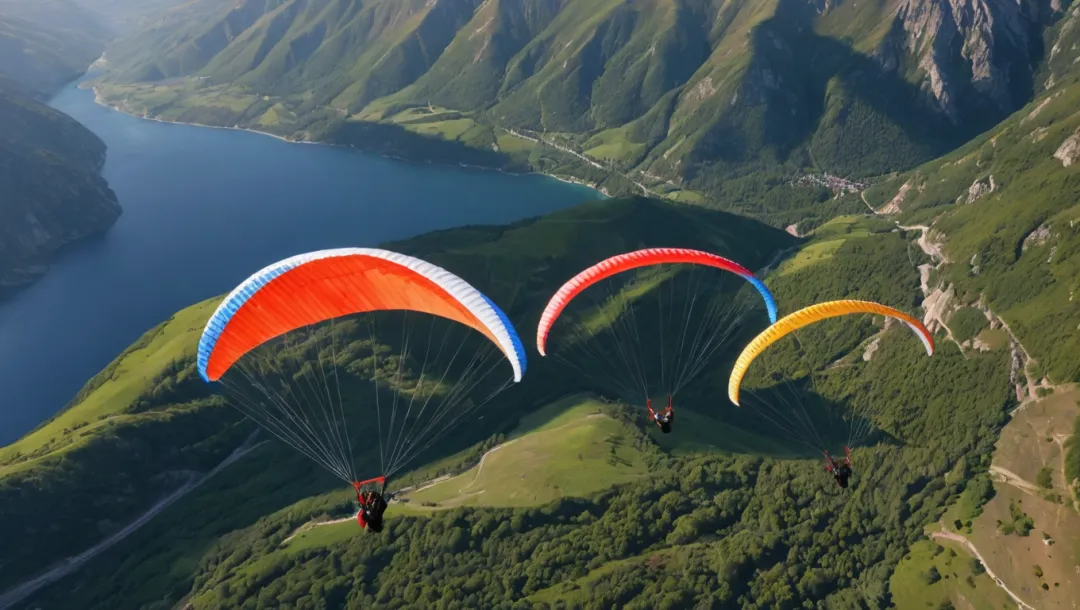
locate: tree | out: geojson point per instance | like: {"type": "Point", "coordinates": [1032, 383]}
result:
{"type": "Point", "coordinates": [1045, 478]}
{"type": "Point", "coordinates": [932, 575]}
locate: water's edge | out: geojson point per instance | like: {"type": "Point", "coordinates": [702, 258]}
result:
{"type": "Point", "coordinates": [565, 179]}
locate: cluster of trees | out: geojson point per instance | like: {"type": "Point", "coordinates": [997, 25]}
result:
{"type": "Point", "coordinates": [979, 491]}
{"type": "Point", "coordinates": [1072, 460]}
{"type": "Point", "coordinates": [704, 531]}
{"type": "Point", "coordinates": [1021, 523]}
{"type": "Point", "coordinates": [967, 322]}
{"type": "Point", "coordinates": [764, 532]}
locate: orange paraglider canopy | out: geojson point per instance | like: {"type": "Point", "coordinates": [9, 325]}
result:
{"type": "Point", "coordinates": [320, 286]}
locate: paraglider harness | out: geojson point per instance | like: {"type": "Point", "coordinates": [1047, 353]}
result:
{"type": "Point", "coordinates": [663, 419]}
{"type": "Point", "coordinates": [372, 504]}
{"type": "Point", "coordinates": [840, 471]}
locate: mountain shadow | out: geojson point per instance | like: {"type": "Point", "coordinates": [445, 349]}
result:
{"type": "Point", "coordinates": [813, 100]}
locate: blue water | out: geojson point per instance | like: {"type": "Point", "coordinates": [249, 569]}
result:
{"type": "Point", "coordinates": [203, 209]}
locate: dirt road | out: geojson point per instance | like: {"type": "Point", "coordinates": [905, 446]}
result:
{"type": "Point", "coordinates": [1011, 478]}
{"type": "Point", "coordinates": [947, 535]}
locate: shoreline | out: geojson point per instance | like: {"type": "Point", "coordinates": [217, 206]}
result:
{"type": "Point", "coordinates": [564, 179]}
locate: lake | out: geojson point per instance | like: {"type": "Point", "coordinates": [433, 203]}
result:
{"type": "Point", "coordinates": [203, 209]}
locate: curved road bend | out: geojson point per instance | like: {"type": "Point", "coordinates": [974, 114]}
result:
{"type": "Point", "coordinates": [971, 548]}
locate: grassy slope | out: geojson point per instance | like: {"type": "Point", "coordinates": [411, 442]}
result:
{"type": "Point", "coordinates": [125, 379]}
{"type": "Point", "coordinates": [1031, 284]}
{"type": "Point", "coordinates": [565, 449]}
{"type": "Point", "coordinates": [575, 453]}
{"type": "Point", "coordinates": [827, 240]}
{"type": "Point", "coordinates": [1032, 440]}
{"type": "Point", "coordinates": [1013, 558]}
{"type": "Point", "coordinates": [910, 587]}
{"type": "Point", "coordinates": [1023, 449]}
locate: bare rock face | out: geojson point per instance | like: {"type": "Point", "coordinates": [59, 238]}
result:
{"type": "Point", "coordinates": [963, 47]}
{"type": "Point", "coordinates": [980, 188]}
{"type": "Point", "coordinates": [893, 207]}
{"type": "Point", "coordinates": [1069, 151]}
{"type": "Point", "coordinates": [1037, 237]}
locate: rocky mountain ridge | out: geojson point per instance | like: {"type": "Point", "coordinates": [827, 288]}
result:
{"type": "Point", "coordinates": [692, 91]}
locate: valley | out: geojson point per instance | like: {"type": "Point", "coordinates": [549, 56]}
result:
{"type": "Point", "coordinates": [920, 154]}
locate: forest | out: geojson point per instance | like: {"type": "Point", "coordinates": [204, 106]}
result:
{"type": "Point", "coordinates": [703, 529]}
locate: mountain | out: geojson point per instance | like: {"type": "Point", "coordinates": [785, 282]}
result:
{"type": "Point", "coordinates": [1001, 216]}
{"type": "Point", "coordinates": [51, 193]}
{"type": "Point", "coordinates": [43, 58]}
{"type": "Point", "coordinates": [964, 114]}
{"type": "Point", "coordinates": [683, 93]}
{"type": "Point", "coordinates": [98, 20]}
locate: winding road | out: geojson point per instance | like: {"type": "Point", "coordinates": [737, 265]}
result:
{"type": "Point", "coordinates": [67, 566]}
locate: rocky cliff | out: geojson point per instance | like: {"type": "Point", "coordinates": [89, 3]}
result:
{"type": "Point", "coordinates": [969, 57]}
{"type": "Point", "coordinates": [51, 193]}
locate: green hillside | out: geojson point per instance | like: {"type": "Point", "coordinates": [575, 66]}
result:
{"type": "Point", "coordinates": [579, 451]}
{"type": "Point", "coordinates": [748, 514]}
{"type": "Point", "coordinates": [45, 45]}
{"type": "Point", "coordinates": [51, 193]}
{"type": "Point", "coordinates": [920, 579]}
{"type": "Point", "coordinates": [570, 448]}
{"type": "Point", "coordinates": [1003, 210]}
{"type": "Point", "coordinates": [560, 496]}
{"type": "Point", "coordinates": [677, 96]}
{"type": "Point", "coordinates": [153, 386]}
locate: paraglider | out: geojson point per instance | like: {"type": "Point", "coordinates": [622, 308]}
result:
{"type": "Point", "coordinates": [841, 471]}
{"type": "Point", "coordinates": [690, 321]}
{"type": "Point", "coordinates": [633, 260]}
{"type": "Point", "coordinates": [372, 505]}
{"type": "Point", "coordinates": [804, 317]}
{"type": "Point", "coordinates": [664, 418]}
{"type": "Point", "coordinates": [286, 344]}
{"type": "Point", "coordinates": [792, 416]}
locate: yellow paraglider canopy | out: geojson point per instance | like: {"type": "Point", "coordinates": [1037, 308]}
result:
{"type": "Point", "coordinates": [804, 317]}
